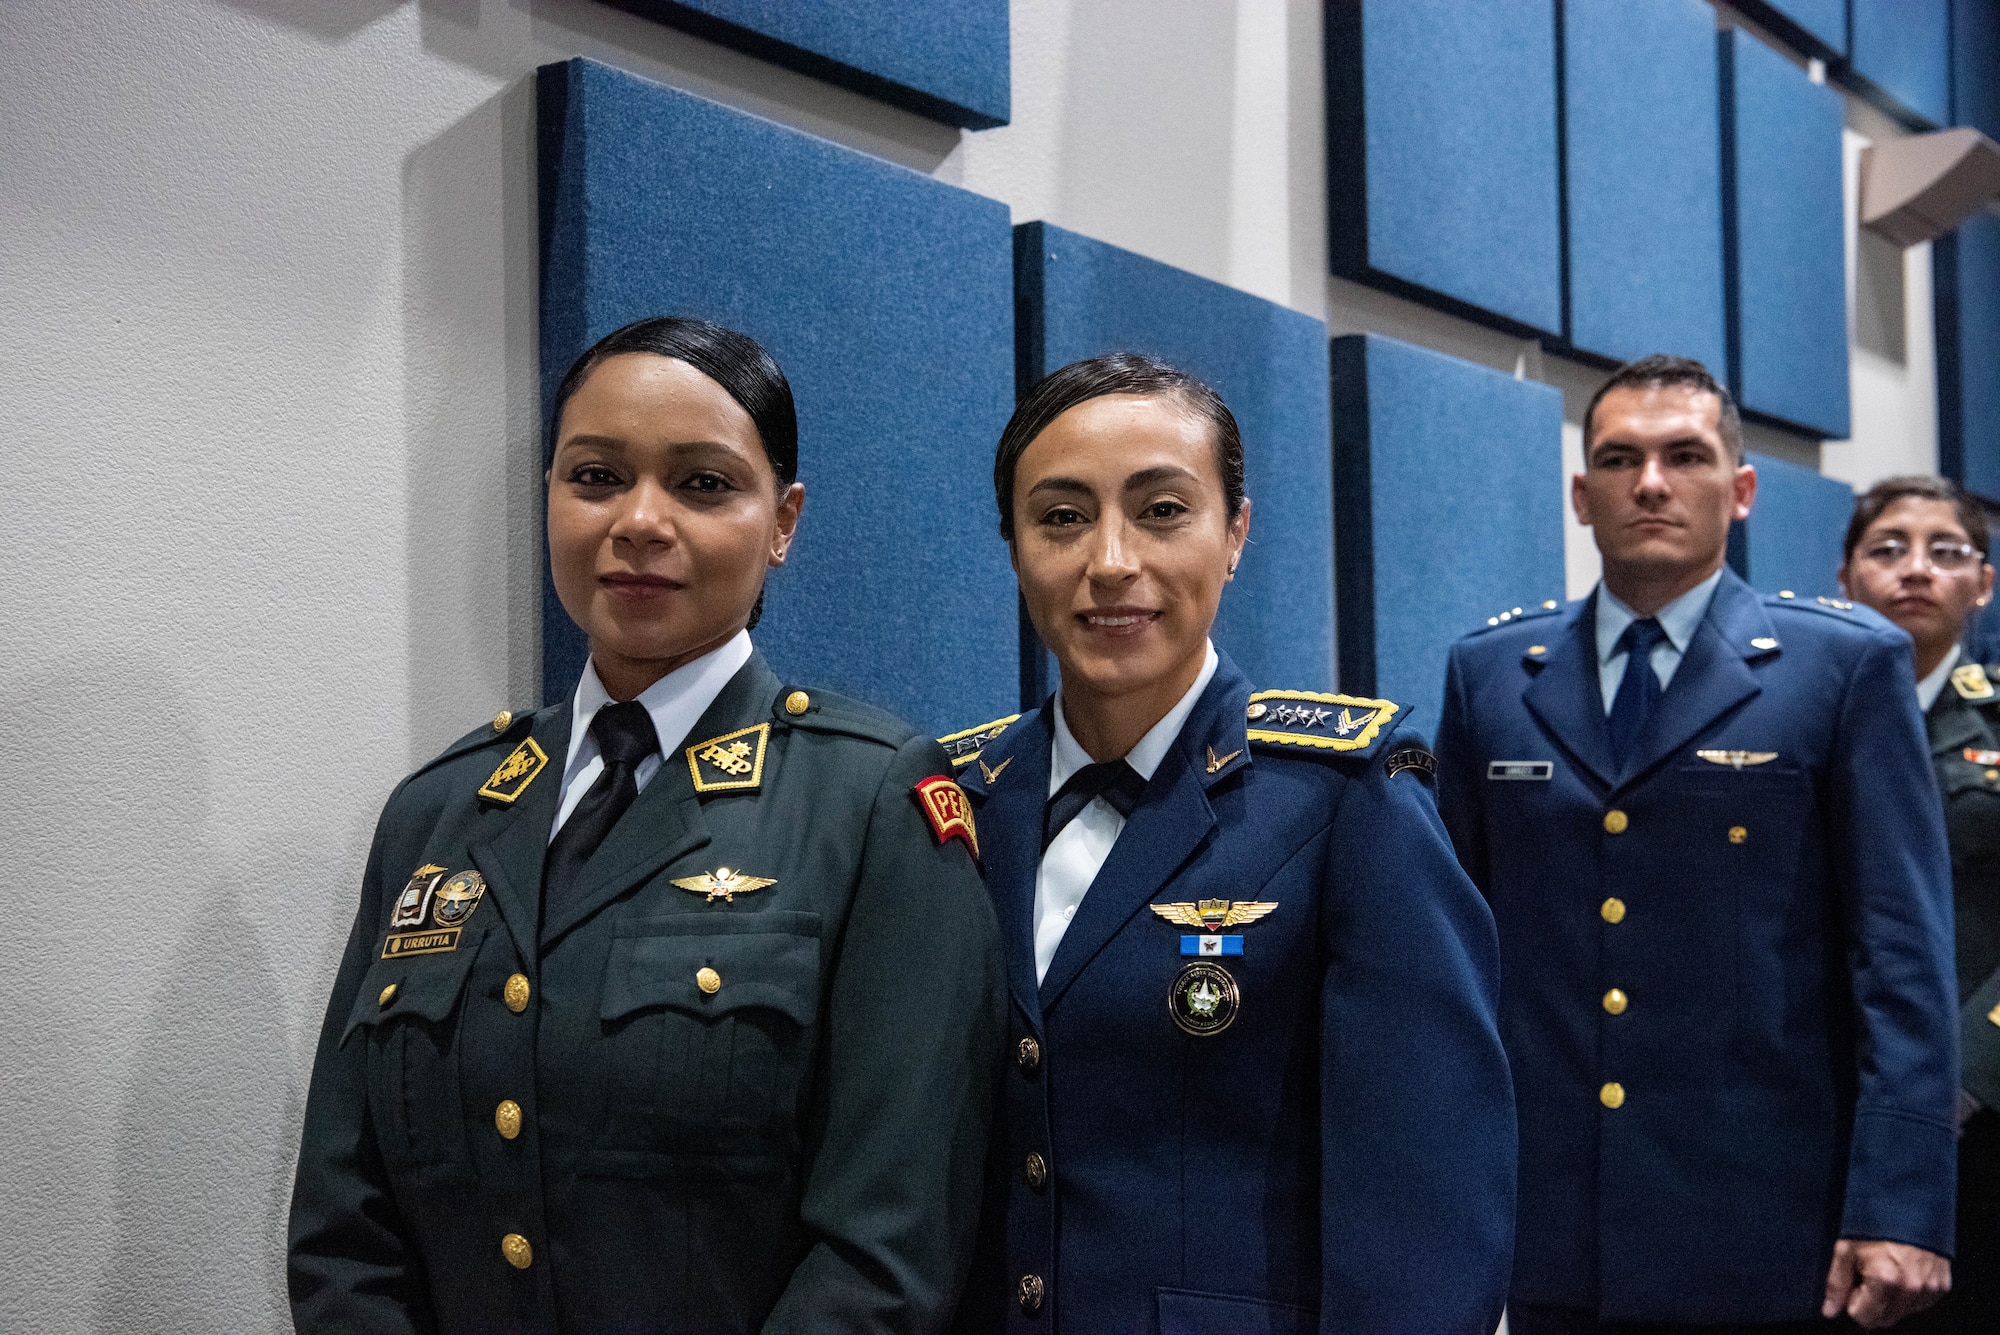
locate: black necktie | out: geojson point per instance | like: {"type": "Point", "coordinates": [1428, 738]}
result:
{"type": "Point", "coordinates": [625, 735]}
{"type": "Point", "coordinates": [1639, 689]}
{"type": "Point", "coordinates": [1114, 781]}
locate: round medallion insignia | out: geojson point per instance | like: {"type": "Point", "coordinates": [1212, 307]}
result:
{"type": "Point", "coordinates": [1203, 999]}
{"type": "Point", "coordinates": [457, 898]}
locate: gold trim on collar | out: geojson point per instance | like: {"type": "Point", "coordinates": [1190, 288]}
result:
{"type": "Point", "coordinates": [731, 762]}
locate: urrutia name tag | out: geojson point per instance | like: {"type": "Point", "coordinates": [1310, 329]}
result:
{"type": "Point", "coordinates": [1531, 770]}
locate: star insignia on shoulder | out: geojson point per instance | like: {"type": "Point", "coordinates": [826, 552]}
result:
{"type": "Point", "coordinates": [1213, 914]}
{"type": "Point", "coordinates": [723, 883]}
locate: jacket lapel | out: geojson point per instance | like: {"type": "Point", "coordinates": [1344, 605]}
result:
{"type": "Point", "coordinates": [1010, 841]}
{"type": "Point", "coordinates": [665, 822]}
{"type": "Point", "coordinates": [1953, 724]}
{"type": "Point", "coordinates": [1567, 695]}
{"type": "Point", "coordinates": [511, 859]}
{"type": "Point", "coordinates": [1172, 820]}
{"type": "Point", "coordinates": [1713, 677]}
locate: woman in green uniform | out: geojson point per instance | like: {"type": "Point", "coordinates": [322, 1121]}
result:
{"type": "Point", "coordinates": [1916, 553]}
{"type": "Point", "coordinates": [673, 1006]}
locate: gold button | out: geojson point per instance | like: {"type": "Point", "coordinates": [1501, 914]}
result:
{"type": "Point", "coordinates": [1786, 593]}
{"type": "Point", "coordinates": [388, 995]}
{"type": "Point", "coordinates": [1615, 821]}
{"type": "Point", "coordinates": [1612, 1095]}
{"type": "Point", "coordinates": [708, 980]}
{"type": "Point", "coordinates": [1615, 1001]}
{"type": "Point", "coordinates": [1028, 1056]}
{"type": "Point", "coordinates": [517, 1251]}
{"type": "Point", "coordinates": [1737, 834]}
{"type": "Point", "coordinates": [1538, 648]}
{"type": "Point", "coordinates": [502, 719]}
{"type": "Point", "coordinates": [1993, 776]}
{"type": "Point", "coordinates": [798, 702]}
{"type": "Point", "coordinates": [1549, 604]}
{"type": "Point", "coordinates": [1612, 910]}
{"type": "Point", "coordinates": [1029, 1291]}
{"type": "Point", "coordinates": [1037, 1170]}
{"type": "Point", "coordinates": [1256, 710]}
{"type": "Point", "coordinates": [507, 1119]}
{"type": "Point", "coordinates": [515, 994]}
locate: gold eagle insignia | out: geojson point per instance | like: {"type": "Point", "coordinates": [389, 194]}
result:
{"type": "Point", "coordinates": [1213, 914]}
{"type": "Point", "coordinates": [723, 883]}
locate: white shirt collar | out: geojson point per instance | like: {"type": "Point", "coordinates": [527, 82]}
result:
{"type": "Point", "coordinates": [1679, 618]}
{"type": "Point", "coordinates": [1146, 755]}
{"type": "Point", "coordinates": [1929, 688]}
{"type": "Point", "coordinates": [675, 702]}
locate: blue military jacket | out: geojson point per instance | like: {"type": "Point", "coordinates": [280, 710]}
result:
{"type": "Point", "coordinates": [1340, 1157]}
{"type": "Point", "coordinates": [1726, 964]}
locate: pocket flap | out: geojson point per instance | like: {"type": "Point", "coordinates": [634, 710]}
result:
{"type": "Point", "coordinates": [426, 985]}
{"type": "Point", "coordinates": [707, 966]}
{"type": "Point", "coordinates": [1184, 1312]}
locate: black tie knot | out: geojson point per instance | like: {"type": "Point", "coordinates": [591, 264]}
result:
{"type": "Point", "coordinates": [1642, 637]}
{"type": "Point", "coordinates": [625, 734]}
{"type": "Point", "coordinates": [1114, 781]}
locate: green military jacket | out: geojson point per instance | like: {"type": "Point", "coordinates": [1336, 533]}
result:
{"type": "Point", "coordinates": [1964, 726]}
{"type": "Point", "coordinates": [739, 1080]}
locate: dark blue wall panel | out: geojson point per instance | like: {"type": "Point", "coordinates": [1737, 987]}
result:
{"type": "Point", "coordinates": [1080, 297]}
{"type": "Point", "coordinates": [1448, 488]}
{"type": "Point", "coordinates": [1792, 538]}
{"type": "Point", "coordinates": [1442, 147]}
{"type": "Point", "coordinates": [1901, 59]}
{"type": "Point", "coordinates": [1967, 279]}
{"type": "Point", "coordinates": [945, 59]}
{"type": "Point", "coordinates": [888, 299]}
{"type": "Point", "coordinates": [1644, 179]}
{"type": "Point", "coordinates": [1817, 26]}
{"type": "Point", "coordinates": [1975, 63]}
{"type": "Point", "coordinates": [1783, 229]}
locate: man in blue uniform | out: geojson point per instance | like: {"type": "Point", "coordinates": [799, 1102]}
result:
{"type": "Point", "coordinates": [1705, 823]}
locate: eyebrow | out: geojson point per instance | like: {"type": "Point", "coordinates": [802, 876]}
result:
{"type": "Point", "coordinates": [1669, 445]}
{"type": "Point", "coordinates": [1148, 477]}
{"type": "Point", "coordinates": [621, 443]}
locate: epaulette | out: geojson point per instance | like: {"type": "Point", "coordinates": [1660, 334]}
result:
{"type": "Point", "coordinates": [506, 726]}
{"type": "Point", "coordinates": [823, 711]}
{"type": "Point", "coordinates": [1972, 683]}
{"type": "Point", "coordinates": [962, 748]}
{"type": "Point", "coordinates": [1345, 725]}
{"type": "Point", "coordinates": [1547, 607]}
{"type": "Point", "coordinates": [1786, 598]}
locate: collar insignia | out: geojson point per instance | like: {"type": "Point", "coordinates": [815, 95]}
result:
{"type": "Point", "coordinates": [962, 748]}
{"type": "Point", "coordinates": [516, 772]}
{"type": "Point", "coordinates": [1971, 683]}
{"type": "Point", "coordinates": [1216, 762]}
{"type": "Point", "coordinates": [992, 775]}
{"type": "Point", "coordinates": [733, 762]}
{"type": "Point", "coordinates": [723, 883]}
{"type": "Point", "coordinates": [1212, 914]}
{"type": "Point", "coordinates": [1737, 759]}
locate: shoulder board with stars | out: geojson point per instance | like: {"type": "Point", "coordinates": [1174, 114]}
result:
{"type": "Point", "coordinates": [1317, 721]}
{"type": "Point", "coordinates": [1544, 608]}
{"type": "Point", "coordinates": [962, 748]}
{"type": "Point", "coordinates": [1787, 598]}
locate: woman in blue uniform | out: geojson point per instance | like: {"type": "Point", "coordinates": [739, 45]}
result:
{"type": "Point", "coordinates": [1256, 1081]}
{"type": "Point", "coordinates": [674, 1006]}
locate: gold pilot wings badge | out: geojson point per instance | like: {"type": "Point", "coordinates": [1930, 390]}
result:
{"type": "Point", "coordinates": [1213, 914]}
{"type": "Point", "coordinates": [723, 883]}
{"type": "Point", "coordinates": [1738, 759]}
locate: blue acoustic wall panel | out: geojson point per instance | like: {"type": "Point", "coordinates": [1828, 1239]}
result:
{"type": "Point", "coordinates": [1078, 298]}
{"type": "Point", "coordinates": [1792, 538]}
{"type": "Point", "coordinates": [1816, 26]}
{"type": "Point", "coordinates": [1448, 509]}
{"type": "Point", "coordinates": [888, 299]}
{"type": "Point", "coordinates": [1643, 179]}
{"type": "Point", "coordinates": [1966, 276]}
{"type": "Point", "coordinates": [1901, 58]}
{"type": "Point", "coordinates": [1784, 250]}
{"type": "Point", "coordinates": [1441, 136]}
{"type": "Point", "coordinates": [1975, 65]}
{"type": "Point", "coordinates": [946, 60]}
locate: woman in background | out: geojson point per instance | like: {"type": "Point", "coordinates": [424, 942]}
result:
{"type": "Point", "coordinates": [673, 1007]}
{"type": "Point", "coordinates": [1916, 552]}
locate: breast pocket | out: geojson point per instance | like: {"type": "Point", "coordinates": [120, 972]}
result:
{"type": "Point", "coordinates": [709, 1024]}
{"type": "Point", "coordinates": [408, 1014]}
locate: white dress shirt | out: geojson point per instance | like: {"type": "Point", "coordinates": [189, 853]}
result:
{"type": "Point", "coordinates": [675, 702]}
{"type": "Point", "coordinates": [1680, 619]}
{"type": "Point", "coordinates": [1080, 848]}
{"type": "Point", "coordinates": [1928, 688]}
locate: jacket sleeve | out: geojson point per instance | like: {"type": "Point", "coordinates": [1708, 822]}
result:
{"type": "Point", "coordinates": [896, 1146]}
{"type": "Point", "coordinates": [1417, 1129]}
{"type": "Point", "coordinates": [1892, 867]}
{"type": "Point", "coordinates": [1458, 775]}
{"type": "Point", "coordinates": [350, 1267]}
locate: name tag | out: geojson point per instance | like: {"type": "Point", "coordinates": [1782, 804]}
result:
{"type": "Point", "coordinates": [1537, 770]}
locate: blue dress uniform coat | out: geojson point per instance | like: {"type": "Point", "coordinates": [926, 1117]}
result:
{"type": "Point", "coordinates": [1725, 964]}
{"type": "Point", "coordinates": [1341, 1156]}
{"type": "Point", "coordinates": [686, 1101]}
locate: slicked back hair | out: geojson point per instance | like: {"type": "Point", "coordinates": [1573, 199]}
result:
{"type": "Point", "coordinates": [1116, 373]}
{"type": "Point", "coordinates": [1870, 505]}
{"type": "Point", "coordinates": [1660, 371]}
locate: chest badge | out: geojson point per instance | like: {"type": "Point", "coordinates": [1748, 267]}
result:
{"type": "Point", "coordinates": [723, 883]}
{"type": "Point", "coordinates": [1204, 999]}
{"type": "Point", "coordinates": [1211, 916]}
{"type": "Point", "coordinates": [450, 905]}
{"type": "Point", "coordinates": [415, 901]}
{"type": "Point", "coordinates": [1738, 759]}
{"type": "Point", "coordinates": [1978, 757]}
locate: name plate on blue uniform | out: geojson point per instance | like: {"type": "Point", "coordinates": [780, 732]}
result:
{"type": "Point", "coordinates": [1543, 770]}
{"type": "Point", "coordinates": [1211, 945]}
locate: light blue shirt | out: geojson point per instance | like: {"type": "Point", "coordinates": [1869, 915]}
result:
{"type": "Point", "coordinates": [1679, 619]}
